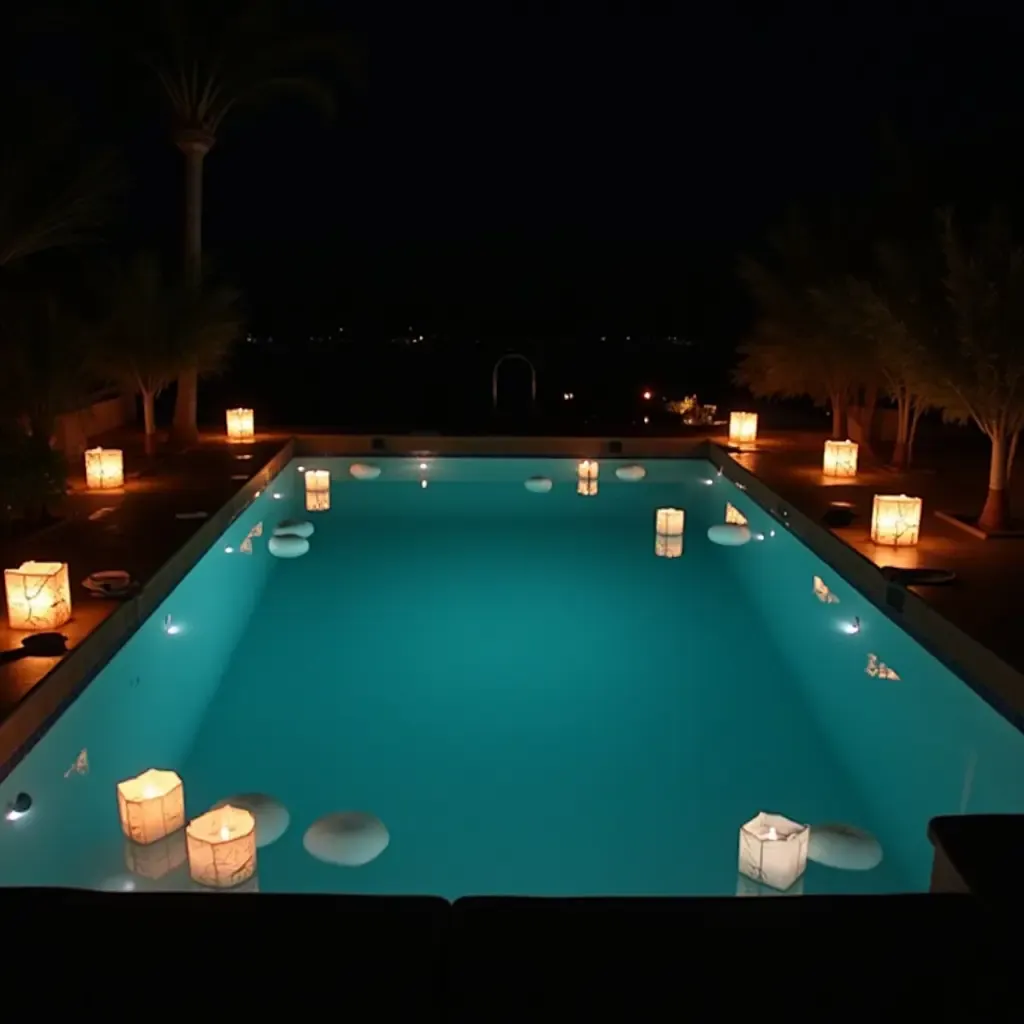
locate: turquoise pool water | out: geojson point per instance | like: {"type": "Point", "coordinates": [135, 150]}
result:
{"type": "Point", "coordinates": [527, 697]}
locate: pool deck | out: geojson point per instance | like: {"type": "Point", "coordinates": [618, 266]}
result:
{"type": "Point", "coordinates": [140, 533]}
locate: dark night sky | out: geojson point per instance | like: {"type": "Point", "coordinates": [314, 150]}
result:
{"type": "Point", "coordinates": [574, 176]}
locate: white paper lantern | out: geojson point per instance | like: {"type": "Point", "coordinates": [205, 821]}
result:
{"type": "Point", "coordinates": [222, 847]}
{"type": "Point", "coordinates": [773, 850]}
{"type": "Point", "coordinates": [840, 458]}
{"type": "Point", "coordinates": [896, 520]}
{"type": "Point", "coordinates": [349, 839]}
{"type": "Point", "coordinates": [743, 427]}
{"type": "Point", "coordinates": [151, 806]}
{"type": "Point", "coordinates": [104, 469]}
{"type": "Point", "coordinates": [669, 524]}
{"type": "Point", "coordinates": [38, 595]}
{"type": "Point", "coordinates": [734, 515]}
{"type": "Point", "coordinates": [586, 478]}
{"type": "Point", "coordinates": [240, 424]}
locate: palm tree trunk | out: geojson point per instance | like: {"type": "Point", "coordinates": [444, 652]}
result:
{"type": "Point", "coordinates": [868, 411]}
{"type": "Point", "coordinates": [901, 450]}
{"type": "Point", "coordinates": [149, 420]}
{"type": "Point", "coordinates": [185, 429]}
{"type": "Point", "coordinates": [915, 419]}
{"type": "Point", "coordinates": [996, 513]}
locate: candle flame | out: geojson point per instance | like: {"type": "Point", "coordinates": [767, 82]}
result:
{"type": "Point", "coordinates": [225, 832]}
{"type": "Point", "coordinates": [149, 792]}
{"type": "Point", "coordinates": [772, 834]}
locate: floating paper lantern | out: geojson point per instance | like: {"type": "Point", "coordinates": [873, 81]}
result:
{"type": "Point", "coordinates": [896, 520]}
{"type": "Point", "coordinates": [151, 806]}
{"type": "Point", "coordinates": [773, 850]}
{"type": "Point", "coordinates": [840, 458]}
{"type": "Point", "coordinates": [38, 595]}
{"type": "Point", "coordinates": [538, 485]}
{"type": "Point", "coordinates": [349, 839]}
{"type": "Point", "coordinates": [222, 847]}
{"type": "Point", "coordinates": [586, 477]}
{"type": "Point", "coordinates": [362, 471]}
{"type": "Point", "coordinates": [734, 515]}
{"type": "Point", "coordinates": [669, 524]}
{"type": "Point", "coordinates": [240, 425]}
{"type": "Point", "coordinates": [318, 480]}
{"type": "Point", "coordinates": [156, 860]}
{"type": "Point", "coordinates": [743, 427]}
{"type": "Point", "coordinates": [104, 469]}
{"type": "Point", "coordinates": [631, 474]}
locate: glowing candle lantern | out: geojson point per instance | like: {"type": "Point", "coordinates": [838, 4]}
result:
{"type": "Point", "coordinates": [222, 847]}
{"type": "Point", "coordinates": [240, 425]}
{"type": "Point", "coordinates": [318, 501]}
{"type": "Point", "coordinates": [318, 480]}
{"type": "Point", "coordinates": [669, 524]}
{"type": "Point", "coordinates": [840, 458]}
{"type": "Point", "coordinates": [743, 426]}
{"type": "Point", "coordinates": [152, 805]}
{"type": "Point", "coordinates": [38, 595]}
{"type": "Point", "coordinates": [734, 515]}
{"type": "Point", "coordinates": [896, 520]}
{"type": "Point", "coordinates": [157, 860]}
{"type": "Point", "coordinates": [773, 850]}
{"type": "Point", "coordinates": [586, 477]}
{"type": "Point", "coordinates": [104, 469]}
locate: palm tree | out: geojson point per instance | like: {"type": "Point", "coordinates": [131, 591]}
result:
{"type": "Point", "coordinates": [154, 328]}
{"type": "Point", "coordinates": [207, 64]}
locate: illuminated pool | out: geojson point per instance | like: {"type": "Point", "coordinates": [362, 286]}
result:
{"type": "Point", "coordinates": [518, 691]}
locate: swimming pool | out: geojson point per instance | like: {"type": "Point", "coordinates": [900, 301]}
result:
{"type": "Point", "coordinates": [520, 692]}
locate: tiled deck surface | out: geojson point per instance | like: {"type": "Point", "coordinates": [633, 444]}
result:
{"type": "Point", "coordinates": [141, 533]}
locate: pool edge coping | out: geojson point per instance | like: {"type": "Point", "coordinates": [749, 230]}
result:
{"type": "Point", "coordinates": [991, 678]}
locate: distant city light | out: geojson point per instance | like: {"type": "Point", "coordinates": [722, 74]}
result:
{"type": "Point", "coordinates": [647, 419]}
{"type": "Point", "coordinates": [647, 396]}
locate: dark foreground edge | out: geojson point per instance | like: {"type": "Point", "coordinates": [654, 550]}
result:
{"type": "Point", "coordinates": [508, 959]}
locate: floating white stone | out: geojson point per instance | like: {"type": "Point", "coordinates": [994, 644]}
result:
{"type": "Point", "coordinates": [538, 485]}
{"type": "Point", "coordinates": [272, 817]}
{"type": "Point", "coordinates": [844, 847]}
{"type": "Point", "coordinates": [293, 528]}
{"type": "Point", "coordinates": [631, 473]}
{"type": "Point", "coordinates": [729, 535]}
{"type": "Point", "coordinates": [288, 547]}
{"type": "Point", "coordinates": [349, 839]}
{"type": "Point", "coordinates": [362, 471]}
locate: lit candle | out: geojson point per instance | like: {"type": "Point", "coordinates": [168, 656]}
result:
{"type": "Point", "coordinates": [222, 847]}
{"type": "Point", "coordinates": [773, 850]}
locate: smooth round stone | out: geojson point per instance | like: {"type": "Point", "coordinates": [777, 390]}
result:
{"type": "Point", "coordinates": [272, 817]}
{"type": "Point", "coordinates": [538, 485]}
{"type": "Point", "coordinates": [844, 847]}
{"type": "Point", "coordinates": [293, 528]}
{"type": "Point", "coordinates": [729, 535]}
{"type": "Point", "coordinates": [361, 471]}
{"type": "Point", "coordinates": [631, 473]}
{"type": "Point", "coordinates": [349, 838]}
{"type": "Point", "coordinates": [288, 547]}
